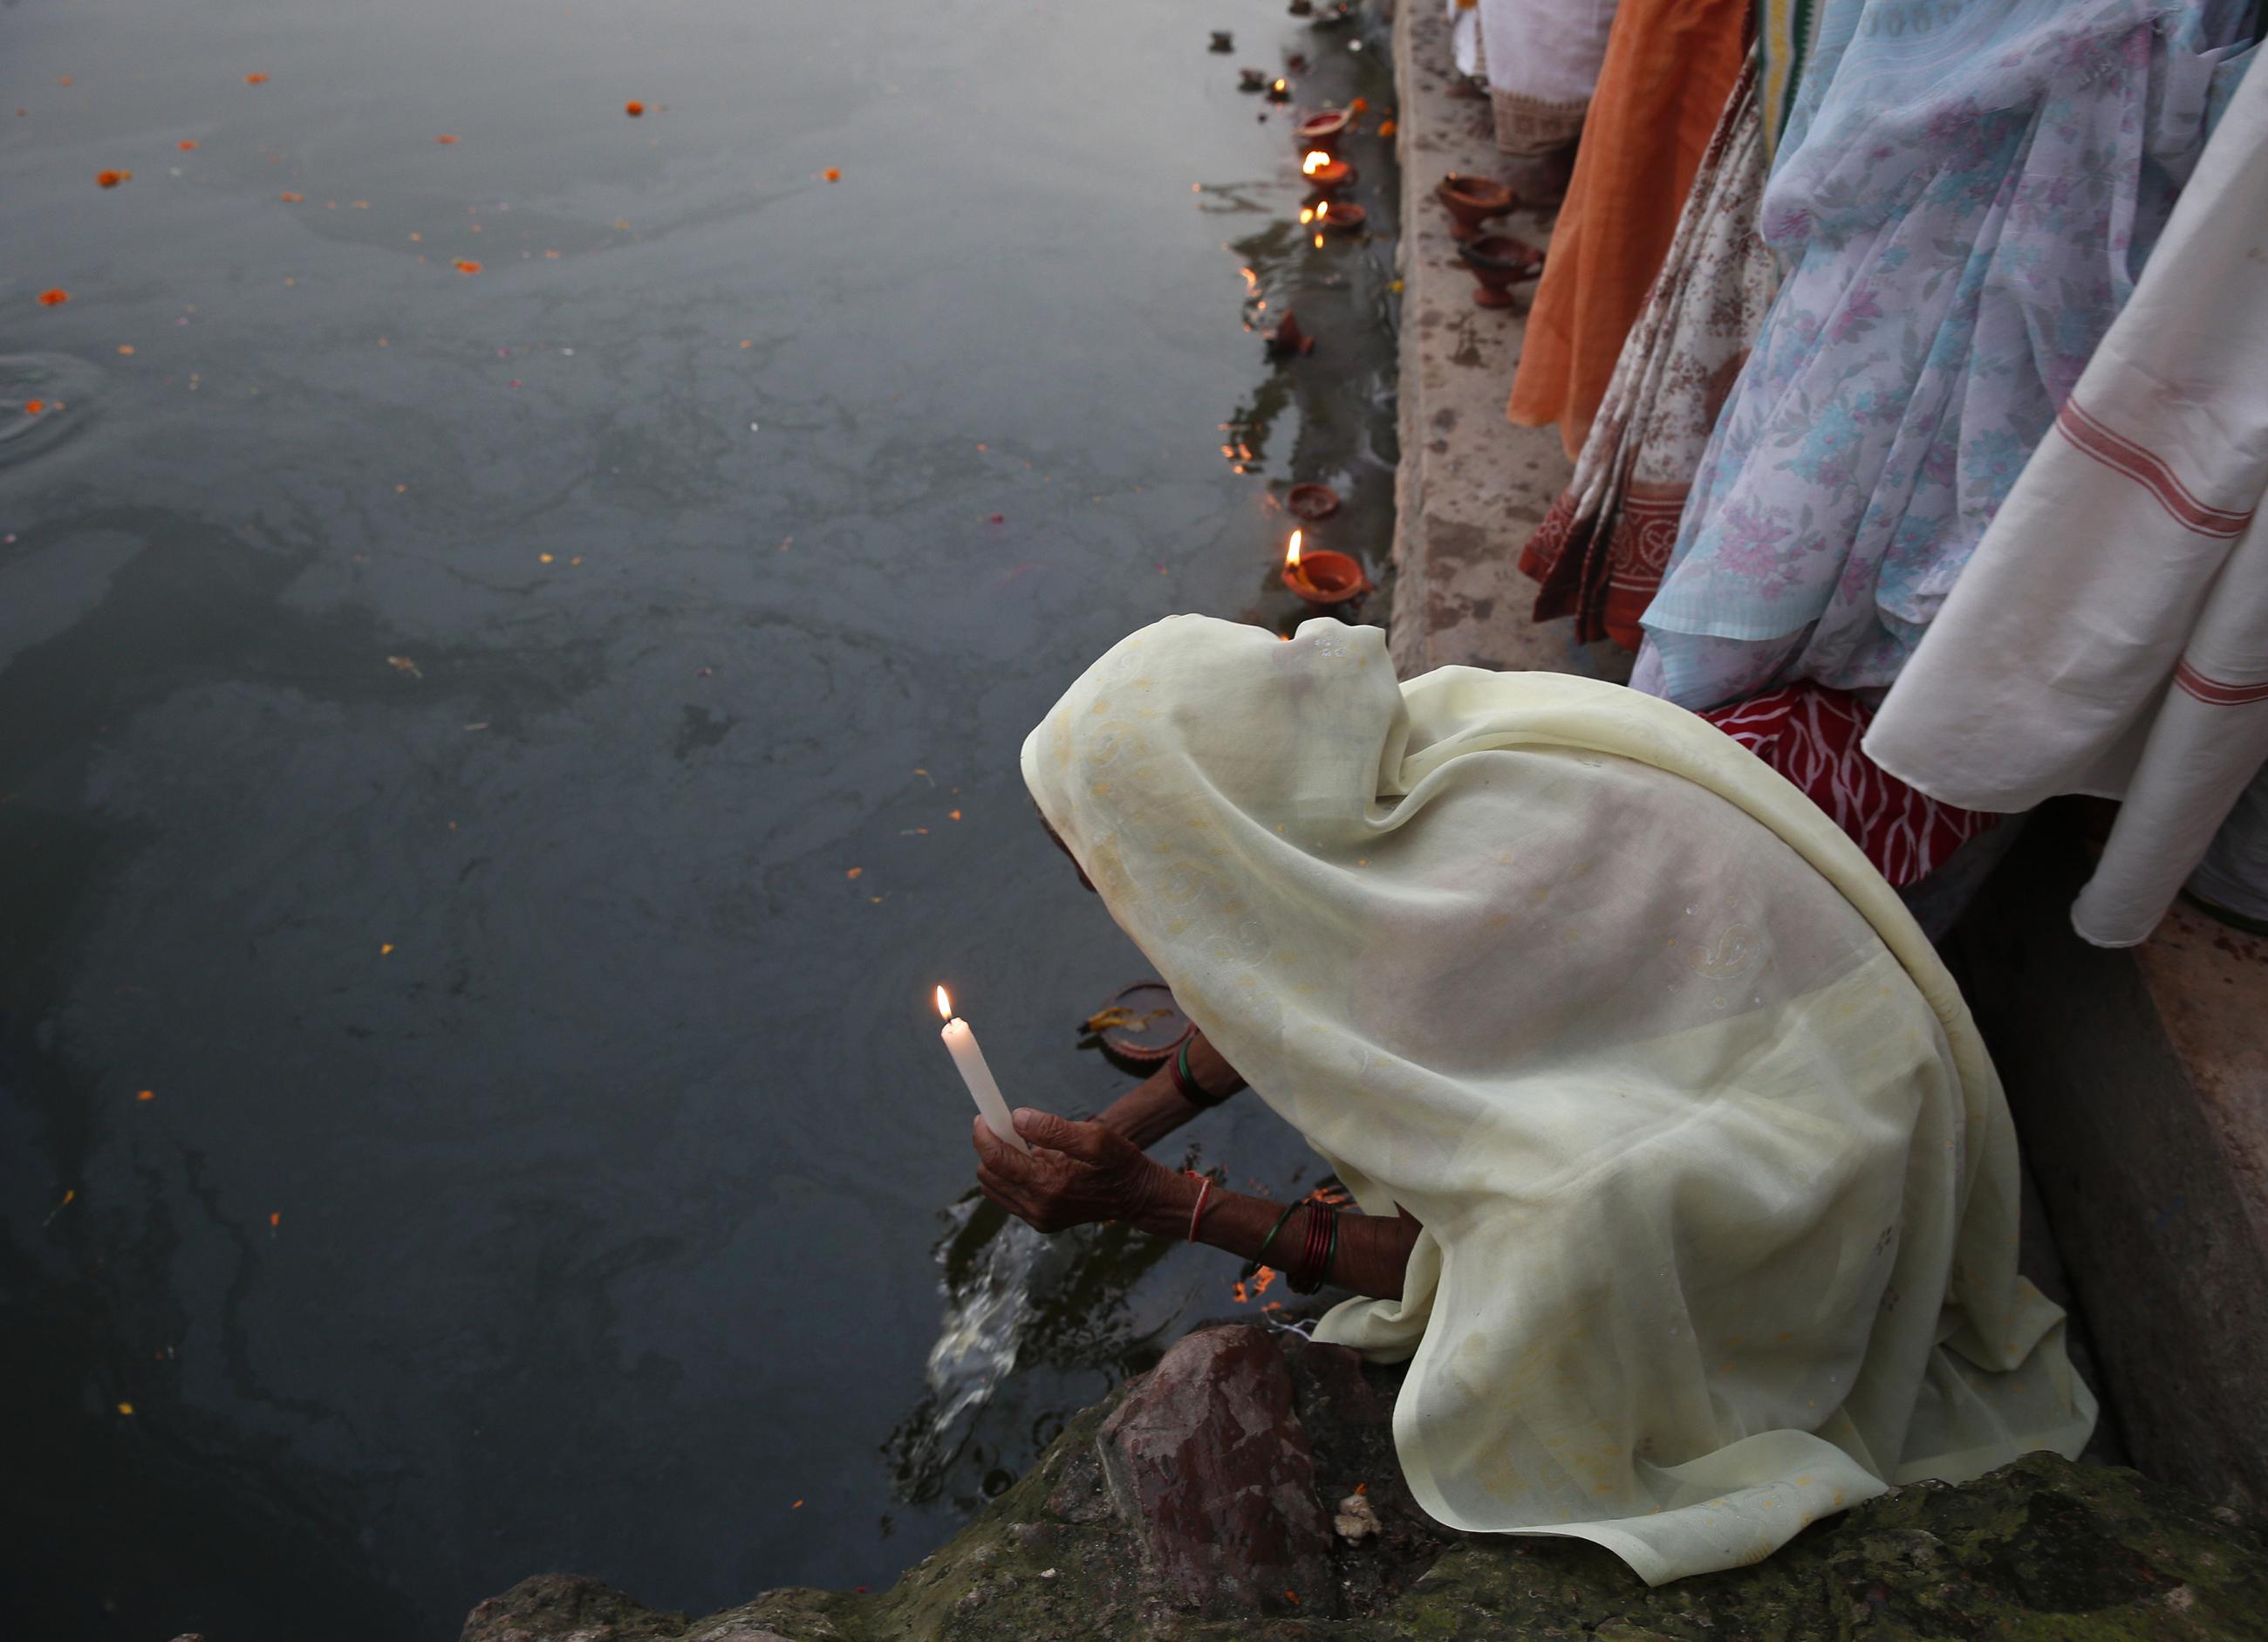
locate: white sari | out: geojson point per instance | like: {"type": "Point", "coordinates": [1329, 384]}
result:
{"type": "Point", "coordinates": [1719, 1189]}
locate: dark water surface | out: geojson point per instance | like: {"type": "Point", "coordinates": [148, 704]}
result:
{"type": "Point", "coordinates": [483, 750]}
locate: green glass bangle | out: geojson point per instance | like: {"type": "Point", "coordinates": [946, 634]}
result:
{"type": "Point", "coordinates": [1272, 1230]}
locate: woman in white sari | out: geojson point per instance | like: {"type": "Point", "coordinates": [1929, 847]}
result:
{"type": "Point", "coordinates": [1689, 1189]}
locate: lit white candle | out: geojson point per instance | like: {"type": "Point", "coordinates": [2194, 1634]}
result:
{"type": "Point", "coordinates": [960, 1043]}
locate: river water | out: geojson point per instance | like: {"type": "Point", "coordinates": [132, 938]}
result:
{"type": "Point", "coordinates": [493, 764]}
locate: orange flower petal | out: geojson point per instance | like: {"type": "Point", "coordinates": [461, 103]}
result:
{"type": "Point", "coordinates": [147, 1095]}
{"type": "Point", "coordinates": [1386, 127]}
{"type": "Point", "coordinates": [633, 109]}
{"type": "Point", "coordinates": [110, 179]}
{"type": "Point", "coordinates": [275, 1219]}
{"type": "Point", "coordinates": [255, 79]}
{"type": "Point", "coordinates": [464, 267]}
{"type": "Point", "coordinates": [445, 138]}
{"type": "Point", "coordinates": [34, 407]}
{"type": "Point", "coordinates": [290, 199]}
{"type": "Point", "coordinates": [1359, 106]}
{"type": "Point", "coordinates": [854, 871]}
{"type": "Point", "coordinates": [62, 79]}
{"type": "Point", "coordinates": [54, 298]}
{"type": "Point", "coordinates": [832, 174]}
{"type": "Point", "coordinates": [186, 143]}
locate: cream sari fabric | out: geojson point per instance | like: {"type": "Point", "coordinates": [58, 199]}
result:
{"type": "Point", "coordinates": [1719, 1189]}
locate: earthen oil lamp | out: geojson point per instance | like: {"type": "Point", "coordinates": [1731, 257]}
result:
{"type": "Point", "coordinates": [1222, 40]}
{"type": "Point", "coordinates": [1252, 79]}
{"type": "Point", "coordinates": [1311, 501]}
{"type": "Point", "coordinates": [1333, 217]}
{"type": "Point", "coordinates": [1323, 131]}
{"type": "Point", "coordinates": [1325, 580]}
{"type": "Point", "coordinates": [1324, 175]}
{"type": "Point", "coordinates": [1500, 261]}
{"type": "Point", "coordinates": [1284, 338]}
{"type": "Point", "coordinates": [1472, 201]}
{"type": "Point", "coordinates": [1279, 90]}
{"type": "Point", "coordinates": [1303, 8]}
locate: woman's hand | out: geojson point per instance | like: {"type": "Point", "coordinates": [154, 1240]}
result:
{"type": "Point", "coordinates": [1077, 1173]}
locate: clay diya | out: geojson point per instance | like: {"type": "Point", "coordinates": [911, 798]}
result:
{"type": "Point", "coordinates": [1323, 131]}
{"type": "Point", "coordinates": [1322, 578]}
{"type": "Point", "coordinates": [1285, 339]}
{"type": "Point", "coordinates": [1311, 501]}
{"type": "Point", "coordinates": [1326, 175]}
{"type": "Point", "coordinates": [1252, 79]}
{"type": "Point", "coordinates": [1279, 90]}
{"type": "Point", "coordinates": [1332, 217]}
{"type": "Point", "coordinates": [1222, 40]}
{"type": "Point", "coordinates": [1500, 261]}
{"type": "Point", "coordinates": [1335, 16]}
{"type": "Point", "coordinates": [1471, 201]}
{"type": "Point", "coordinates": [1141, 1025]}
{"type": "Point", "coordinates": [1303, 8]}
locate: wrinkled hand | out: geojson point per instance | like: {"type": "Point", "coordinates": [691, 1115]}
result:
{"type": "Point", "coordinates": [1077, 1173]}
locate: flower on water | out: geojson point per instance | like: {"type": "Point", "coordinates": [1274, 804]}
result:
{"type": "Point", "coordinates": [255, 79]}
{"type": "Point", "coordinates": [290, 199]}
{"type": "Point", "coordinates": [633, 109]}
{"type": "Point", "coordinates": [54, 298]}
{"type": "Point", "coordinates": [464, 267]}
{"type": "Point", "coordinates": [445, 139]}
{"type": "Point", "coordinates": [34, 407]}
{"type": "Point", "coordinates": [111, 179]}
{"type": "Point", "coordinates": [832, 174]}
{"type": "Point", "coordinates": [186, 143]}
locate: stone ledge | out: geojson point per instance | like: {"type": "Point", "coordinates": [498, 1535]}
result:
{"type": "Point", "coordinates": [2139, 1084]}
{"type": "Point", "coordinates": [2040, 1548]}
{"type": "Point", "coordinates": [1470, 487]}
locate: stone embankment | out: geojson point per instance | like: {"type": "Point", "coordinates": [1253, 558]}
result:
{"type": "Point", "coordinates": [1246, 1487]}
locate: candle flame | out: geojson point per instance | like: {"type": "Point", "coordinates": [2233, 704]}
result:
{"type": "Point", "coordinates": [1291, 562]}
{"type": "Point", "coordinates": [944, 1003]}
{"type": "Point", "coordinates": [1316, 161]}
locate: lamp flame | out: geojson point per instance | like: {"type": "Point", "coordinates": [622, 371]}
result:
{"type": "Point", "coordinates": [1291, 562]}
{"type": "Point", "coordinates": [1322, 211]}
{"type": "Point", "coordinates": [1280, 85]}
{"type": "Point", "coordinates": [1316, 161]}
{"type": "Point", "coordinates": [944, 1003]}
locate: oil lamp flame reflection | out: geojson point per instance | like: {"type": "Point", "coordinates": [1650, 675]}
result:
{"type": "Point", "coordinates": [944, 1004]}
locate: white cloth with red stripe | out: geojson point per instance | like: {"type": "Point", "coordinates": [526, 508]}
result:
{"type": "Point", "coordinates": [2110, 635]}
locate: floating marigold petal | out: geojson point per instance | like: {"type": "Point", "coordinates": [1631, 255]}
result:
{"type": "Point", "coordinates": [832, 174]}
{"type": "Point", "coordinates": [146, 1094]}
{"type": "Point", "coordinates": [255, 79]}
{"type": "Point", "coordinates": [290, 199]}
{"type": "Point", "coordinates": [187, 144]}
{"type": "Point", "coordinates": [110, 179]}
{"type": "Point", "coordinates": [854, 871]}
{"type": "Point", "coordinates": [464, 267]}
{"type": "Point", "coordinates": [1359, 106]}
{"type": "Point", "coordinates": [275, 1219]}
{"type": "Point", "coordinates": [63, 79]}
{"type": "Point", "coordinates": [633, 109]}
{"type": "Point", "coordinates": [955, 815]}
{"type": "Point", "coordinates": [34, 407]}
{"type": "Point", "coordinates": [445, 139]}
{"type": "Point", "coordinates": [54, 298]}
{"type": "Point", "coordinates": [1386, 127]}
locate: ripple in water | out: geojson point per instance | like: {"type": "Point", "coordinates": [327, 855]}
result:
{"type": "Point", "coordinates": [64, 387]}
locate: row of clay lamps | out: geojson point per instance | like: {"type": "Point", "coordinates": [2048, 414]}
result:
{"type": "Point", "coordinates": [1322, 579]}
{"type": "Point", "coordinates": [1497, 262]}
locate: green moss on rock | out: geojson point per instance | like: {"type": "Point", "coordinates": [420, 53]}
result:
{"type": "Point", "coordinates": [2042, 1550]}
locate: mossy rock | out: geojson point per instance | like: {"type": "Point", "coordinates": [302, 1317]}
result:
{"type": "Point", "coordinates": [2042, 1550]}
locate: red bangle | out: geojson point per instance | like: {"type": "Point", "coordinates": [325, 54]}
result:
{"type": "Point", "coordinates": [1315, 1250]}
{"type": "Point", "coordinates": [1197, 1213]}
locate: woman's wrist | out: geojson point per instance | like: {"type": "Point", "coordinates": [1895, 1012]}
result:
{"type": "Point", "coordinates": [1163, 1205]}
{"type": "Point", "coordinates": [1210, 1070]}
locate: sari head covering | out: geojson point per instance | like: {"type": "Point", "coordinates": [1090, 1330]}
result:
{"type": "Point", "coordinates": [1719, 1189]}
